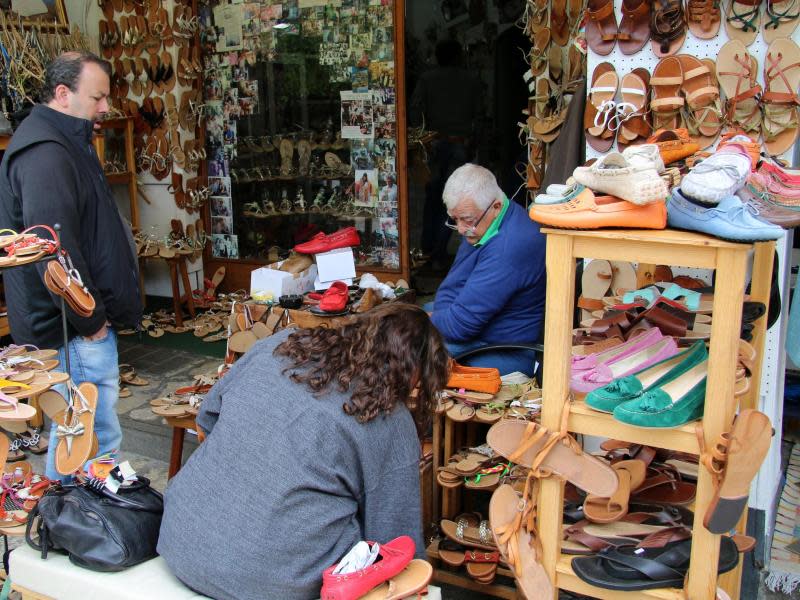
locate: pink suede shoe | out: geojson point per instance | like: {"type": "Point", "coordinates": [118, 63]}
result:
{"type": "Point", "coordinates": [584, 382]}
{"type": "Point", "coordinates": [633, 345]}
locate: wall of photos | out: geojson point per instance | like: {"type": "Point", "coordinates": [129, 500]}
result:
{"type": "Point", "coordinates": [301, 125]}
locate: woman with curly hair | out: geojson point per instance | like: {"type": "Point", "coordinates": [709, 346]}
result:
{"type": "Point", "coordinates": [312, 445]}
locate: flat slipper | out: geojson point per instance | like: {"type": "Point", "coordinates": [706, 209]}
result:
{"type": "Point", "coordinates": [631, 474]}
{"type": "Point", "coordinates": [414, 578]}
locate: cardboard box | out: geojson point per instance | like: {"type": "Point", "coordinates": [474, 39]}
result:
{"type": "Point", "coordinates": [280, 283]}
{"type": "Point", "coordinates": [324, 285]}
{"type": "Point", "coordinates": [336, 265]}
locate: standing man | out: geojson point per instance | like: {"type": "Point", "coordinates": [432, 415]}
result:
{"type": "Point", "coordinates": [51, 174]}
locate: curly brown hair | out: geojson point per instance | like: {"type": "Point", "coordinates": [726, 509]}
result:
{"type": "Point", "coordinates": [379, 355]}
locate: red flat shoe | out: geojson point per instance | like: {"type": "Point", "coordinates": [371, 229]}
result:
{"type": "Point", "coordinates": [394, 556]}
{"type": "Point", "coordinates": [344, 238]}
{"type": "Point", "coordinates": [335, 298]}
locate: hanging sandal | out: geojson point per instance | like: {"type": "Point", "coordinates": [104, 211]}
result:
{"type": "Point", "coordinates": [742, 19]}
{"type": "Point", "coordinates": [631, 113]}
{"type": "Point", "coordinates": [779, 126]}
{"type": "Point", "coordinates": [703, 113]}
{"type": "Point", "coordinates": [704, 18]}
{"type": "Point", "coordinates": [76, 429]}
{"type": "Point", "coordinates": [736, 71]}
{"type": "Point", "coordinates": [600, 107]}
{"type": "Point", "coordinates": [634, 28]}
{"type": "Point", "coordinates": [666, 101]}
{"type": "Point", "coordinates": [667, 27]}
{"type": "Point", "coordinates": [781, 17]}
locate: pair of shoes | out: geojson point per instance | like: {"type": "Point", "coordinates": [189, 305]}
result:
{"type": "Point", "coordinates": [719, 176]}
{"type": "Point", "coordinates": [587, 211]}
{"type": "Point", "coordinates": [648, 351]}
{"type": "Point", "coordinates": [344, 238]}
{"type": "Point", "coordinates": [729, 220]}
{"type": "Point", "coordinates": [636, 180]}
{"type": "Point", "coordinates": [333, 300]}
{"type": "Point", "coordinates": [476, 379]}
{"type": "Point", "coordinates": [396, 575]}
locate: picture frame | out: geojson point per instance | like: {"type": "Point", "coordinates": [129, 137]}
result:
{"type": "Point", "coordinates": [54, 15]}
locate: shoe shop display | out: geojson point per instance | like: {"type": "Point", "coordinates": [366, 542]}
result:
{"type": "Point", "coordinates": [719, 176]}
{"type": "Point", "coordinates": [638, 183]}
{"type": "Point", "coordinates": [321, 242]}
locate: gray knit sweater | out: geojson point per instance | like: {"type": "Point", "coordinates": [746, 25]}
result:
{"type": "Point", "coordinates": [284, 485]}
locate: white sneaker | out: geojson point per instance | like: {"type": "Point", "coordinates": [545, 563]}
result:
{"type": "Point", "coordinates": [717, 177]}
{"type": "Point", "coordinates": [613, 174]}
{"type": "Point", "coordinates": [645, 155]}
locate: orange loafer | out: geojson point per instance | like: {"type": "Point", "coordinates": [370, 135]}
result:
{"type": "Point", "coordinates": [587, 211]}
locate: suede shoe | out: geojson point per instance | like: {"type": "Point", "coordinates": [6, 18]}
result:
{"type": "Point", "coordinates": [729, 220]}
{"type": "Point", "coordinates": [671, 404]}
{"type": "Point", "coordinates": [719, 176]}
{"type": "Point", "coordinates": [608, 397]}
{"type": "Point", "coordinates": [760, 203]}
{"type": "Point", "coordinates": [344, 238]}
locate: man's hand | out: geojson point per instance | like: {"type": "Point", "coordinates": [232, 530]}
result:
{"type": "Point", "coordinates": [101, 334]}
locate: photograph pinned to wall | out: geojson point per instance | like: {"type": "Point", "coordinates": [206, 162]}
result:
{"type": "Point", "coordinates": [222, 225]}
{"type": "Point", "coordinates": [273, 12]}
{"type": "Point", "coordinates": [385, 154]}
{"type": "Point", "coordinates": [387, 129]}
{"type": "Point", "coordinates": [228, 20]}
{"type": "Point", "coordinates": [220, 205]}
{"type": "Point", "coordinates": [239, 73]}
{"type": "Point", "coordinates": [251, 18]}
{"type": "Point", "coordinates": [389, 229]}
{"type": "Point", "coordinates": [218, 163]}
{"type": "Point", "coordinates": [381, 35]}
{"type": "Point", "coordinates": [219, 186]}
{"type": "Point", "coordinates": [215, 131]}
{"type": "Point", "coordinates": [362, 154]}
{"type": "Point", "coordinates": [333, 53]}
{"type": "Point", "coordinates": [229, 132]}
{"type": "Point", "coordinates": [248, 89]}
{"type": "Point", "coordinates": [387, 187]}
{"type": "Point", "coordinates": [357, 123]}
{"type": "Point", "coordinates": [225, 246]}
{"type": "Point", "coordinates": [365, 187]}
{"type": "Point", "coordinates": [383, 95]}
{"type": "Point", "coordinates": [320, 3]}
{"type": "Point", "coordinates": [361, 40]}
{"type": "Point", "coordinates": [248, 107]}
{"type": "Point", "coordinates": [381, 74]}
{"type": "Point", "coordinates": [383, 113]}
{"type": "Point", "coordinates": [379, 16]}
{"type": "Point", "coordinates": [359, 79]}
{"type": "Point", "coordinates": [213, 89]}
{"type": "Point", "coordinates": [311, 27]}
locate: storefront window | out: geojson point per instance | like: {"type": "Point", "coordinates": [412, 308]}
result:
{"type": "Point", "coordinates": [300, 110]}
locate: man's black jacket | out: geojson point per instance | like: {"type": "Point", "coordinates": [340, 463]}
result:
{"type": "Point", "coordinates": [50, 174]}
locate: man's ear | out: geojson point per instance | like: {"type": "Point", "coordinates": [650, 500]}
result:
{"type": "Point", "coordinates": [61, 94]}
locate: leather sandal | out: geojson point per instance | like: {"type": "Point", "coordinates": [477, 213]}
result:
{"type": "Point", "coordinates": [742, 20]}
{"type": "Point", "coordinates": [703, 114]}
{"type": "Point", "coordinates": [634, 27]}
{"type": "Point", "coordinates": [600, 107]}
{"type": "Point", "coordinates": [632, 113]}
{"type": "Point", "coordinates": [538, 54]}
{"type": "Point", "coordinates": [736, 71]}
{"type": "Point", "coordinates": [780, 19]}
{"type": "Point", "coordinates": [779, 126]}
{"type": "Point", "coordinates": [559, 22]}
{"type": "Point", "coordinates": [704, 18]}
{"type": "Point", "coordinates": [666, 101]}
{"type": "Point", "coordinates": [601, 26]}
{"type": "Point", "coordinates": [667, 27]}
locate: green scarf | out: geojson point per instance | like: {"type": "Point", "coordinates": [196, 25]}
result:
{"type": "Point", "coordinates": [495, 226]}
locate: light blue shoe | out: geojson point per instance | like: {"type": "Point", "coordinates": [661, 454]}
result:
{"type": "Point", "coordinates": [559, 195]}
{"type": "Point", "coordinates": [729, 220]}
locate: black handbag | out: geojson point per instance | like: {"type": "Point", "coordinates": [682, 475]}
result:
{"type": "Point", "coordinates": [98, 529]}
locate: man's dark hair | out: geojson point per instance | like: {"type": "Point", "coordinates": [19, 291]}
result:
{"type": "Point", "coordinates": [65, 69]}
{"type": "Point", "coordinates": [448, 53]}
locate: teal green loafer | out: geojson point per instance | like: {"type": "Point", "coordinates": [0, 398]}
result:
{"type": "Point", "coordinates": [625, 389]}
{"type": "Point", "coordinates": [671, 405]}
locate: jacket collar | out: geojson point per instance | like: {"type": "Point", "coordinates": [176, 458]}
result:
{"type": "Point", "coordinates": [80, 130]}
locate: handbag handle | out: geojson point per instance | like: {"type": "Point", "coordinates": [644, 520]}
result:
{"type": "Point", "coordinates": [99, 488]}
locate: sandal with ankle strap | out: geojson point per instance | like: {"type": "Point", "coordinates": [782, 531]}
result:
{"type": "Point", "coordinates": [779, 126]}
{"type": "Point", "coordinates": [667, 27]}
{"type": "Point", "coordinates": [736, 71]}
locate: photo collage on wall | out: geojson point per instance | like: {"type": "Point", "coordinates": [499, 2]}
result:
{"type": "Point", "coordinates": [354, 41]}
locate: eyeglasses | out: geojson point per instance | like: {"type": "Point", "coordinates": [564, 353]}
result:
{"type": "Point", "coordinates": [452, 223]}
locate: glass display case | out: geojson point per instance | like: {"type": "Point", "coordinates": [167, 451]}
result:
{"type": "Point", "coordinates": [302, 128]}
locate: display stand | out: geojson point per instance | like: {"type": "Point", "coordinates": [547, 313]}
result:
{"type": "Point", "coordinates": [650, 247]}
{"type": "Point", "coordinates": [128, 177]}
{"type": "Point", "coordinates": [177, 264]}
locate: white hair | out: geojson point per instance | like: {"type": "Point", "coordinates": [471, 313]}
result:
{"type": "Point", "coordinates": [471, 182]}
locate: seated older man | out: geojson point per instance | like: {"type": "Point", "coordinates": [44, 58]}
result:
{"type": "Point", "coordinates": [495, 290]}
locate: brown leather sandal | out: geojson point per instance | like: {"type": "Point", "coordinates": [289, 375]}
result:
{"type": "Point", "coordinates": [634, 28]}
{"type": "Point", "coordinates": [666, 100]}
{"type": "Point", "coordinates": [667, 27]}
{"type": "Point", "coordinates": [600, 107]}
{"type": "Point", "coordinates": [559, 23]}
{"type": "Point", "coordinates": [704, 18]}
{"type": "Point", "coordinates": [703, 115]}
{"type": "Point", "coordinates": [601, 26]}
{"type": "Point", "coordinates": [736, 71]}
{"type": "Point", "coordinates": [634, 125]}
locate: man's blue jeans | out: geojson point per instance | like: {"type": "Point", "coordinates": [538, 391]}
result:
{"type": "Point", "coordinates": [97, 363]}
{"type": "Point", "coordinates": [507, 361]}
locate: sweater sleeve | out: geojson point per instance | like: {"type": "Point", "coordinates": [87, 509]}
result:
{"type": "Point", "coordinates": [487, 290]}
{"type": "Point", "coordinates": [43, 178]}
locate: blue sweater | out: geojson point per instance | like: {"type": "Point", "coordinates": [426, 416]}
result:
{"type": "Point", "coordinates": [495, 293]}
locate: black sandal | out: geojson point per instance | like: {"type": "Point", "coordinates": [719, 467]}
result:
{"type": "Point", "coordinates": [660, 560]}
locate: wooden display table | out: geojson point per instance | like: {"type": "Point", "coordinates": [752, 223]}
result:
{"type": "Point", "coordinates": [176, 264]}
{"type": "Point", "coordinates": [179, 426]}
{"type": "Point", "coordinates": [651, 247]}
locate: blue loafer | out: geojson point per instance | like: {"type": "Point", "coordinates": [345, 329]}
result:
{"type": "Point", "coordinates": [729, 220]}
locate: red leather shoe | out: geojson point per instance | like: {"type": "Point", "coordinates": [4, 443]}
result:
{"type": "Point", "coordinates": [335, 297]}
{"type": "Point", "coordinates": [393, 558]}
{"type": "Point", "coordinates": [344, 238]}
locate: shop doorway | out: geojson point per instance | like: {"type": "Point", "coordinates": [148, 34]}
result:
{"type": "Point", "coordinates": [464, 65]}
